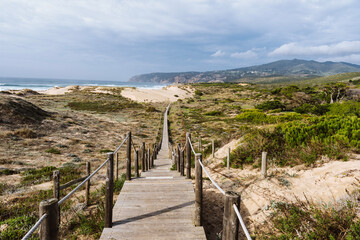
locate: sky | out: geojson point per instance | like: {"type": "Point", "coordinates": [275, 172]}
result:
{"type": "Point", "coordinates": [117, 39]}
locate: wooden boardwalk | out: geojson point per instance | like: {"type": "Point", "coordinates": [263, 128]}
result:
{"type": "Point", "coordinates": [159, 205]}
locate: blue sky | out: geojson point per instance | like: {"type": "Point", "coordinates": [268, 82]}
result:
{"type": "Point", "coordinates": [116, 39]}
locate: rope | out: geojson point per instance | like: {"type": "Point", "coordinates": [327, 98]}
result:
{"type": "Point", "coordinates": [242, 222]}
{"type": "Point", "coordinates": [121, 144]}
{"type": "Point", "coordinates": [212, 180]}
{"type": "Point", "coordinates": [83, 182]}
{"type": "Point", "coordinates": [192, 148]}
{"type": "Point", "coordinates": [32, 230]}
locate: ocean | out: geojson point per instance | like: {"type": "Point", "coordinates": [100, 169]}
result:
{"type": "Point", "coordinates": [39, 84]}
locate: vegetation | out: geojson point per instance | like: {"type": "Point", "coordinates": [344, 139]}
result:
{"type": "Point", "coordinates": [311, 221]}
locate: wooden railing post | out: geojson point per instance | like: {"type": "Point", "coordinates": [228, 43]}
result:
{"type": "Point", "coordinates": [188, 156]}
{"type": "Point", "coordinates": [198, 190]}
{"type": "Point", "coordinates": [49, 228]}
{"type": "Point", "coordinates": [56, 181]}
{"type": "Point", "coordinates": [264, 164]}
{"type": "Point", "coordinates": [228, 159]}
{"type": "Point", "coordinates": [213, 148]}
{"type": "Point", "coordinates": [128, 157]}
{"type": "Point", "coordinates": [230, 220]}
{"type": "Point", "coordinates": [178, 157]}
{"type": "Point", "coordinates": [143, 158]}
{"type": "Point", "coordinates": [87, 187]}
{"type": "Point", "coordinates": [200, 144]}
{"type": "Point", "coordinates": [117, 167]}
{"type": "Point", "coordinates": [136, 162]}
{"type": "Point", "coordinates": [109, 192]}
{"type": "Point", "coordinates": [149, 158]}
{"type": "Point", "coordinates": [182, 163]}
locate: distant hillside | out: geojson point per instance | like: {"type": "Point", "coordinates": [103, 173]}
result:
{"type": "Point", "coordinates": [283, 69]}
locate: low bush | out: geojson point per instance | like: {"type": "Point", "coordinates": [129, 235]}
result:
{"type": "Point", "coordinates": [270, 105]}
{"type": "Point", "coordinates": [53, 150]}
{"type": "Point", "coordinates": [318, 109]}
{"type": "Point", "coordinates": [301, 141]}
{"type": "Point", "coordinates": [311, 221]}
{"type": "Point", "coordinates": [213, 113]}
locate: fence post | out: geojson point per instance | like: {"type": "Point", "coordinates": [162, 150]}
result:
{"type": "Point", "coordinates": [56, 181]}
{"type": "Point", "coordinates": [182, 163]}
{"type": "Point", "coordinates": [87, 187]}
{"type": "Point", "coordinates": [213, 148]}
{"type": "Point", "coordinates": [178, 157]}
{"type": "Point", "coordinates": [128, 157]}
{"type": "Point", "coordinates": [198, 190]}
{"type": "Point", "coordinates": [143, 158]}
{"type": "Point", "coordinates": [188, 156]}
{"type": "Point", "coordinates": [109, 192]}
{"type": "Point", "coordinates": [230, 220]}
{"type": "Point", "coordinates": [200, 144]}
{"type": "Point", "coordinates": [228, 159]}
{"type": "Point", "coordinates": [153, 156]}
{"type": "Point", "coordinates": [149, 158]}
{"type": "Point", "coordinates": [49, 228]}
{"type": "Point", "coordinates": [136, 162]}
{"type": "Point", "coordinates": [264, 164]}
{"type": "Point", "coordinates": [117, 167]}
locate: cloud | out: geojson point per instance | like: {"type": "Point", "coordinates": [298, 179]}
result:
{"type": "Point", "coordinates": [244, 55]}
{"type": "Point", "coordinates": [218, 53]}
{"type": "Point", "coordinates": [337, 49]}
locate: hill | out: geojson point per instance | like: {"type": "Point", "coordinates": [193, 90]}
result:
{"type": "Point", "coordinates": [283, 70]}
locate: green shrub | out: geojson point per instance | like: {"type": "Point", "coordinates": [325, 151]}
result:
{"type": "Point", "coordinates": [270, 105]}
{"type": "Point", "coordinates": [198, 93]}
{"type": "Point", "coordinates": [349, 108]}
{"type": "Point", "coordinates": [310, 221]}
{"type": "Point", "coordinates": [313, 109]}
{"type": "Point", "coordinates": [256, 117]}
{"type": "Point", "coordinates": [213, 113]}
{"type": "Point", "coordinates": [53, 150]}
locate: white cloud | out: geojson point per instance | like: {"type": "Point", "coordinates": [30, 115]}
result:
{"type": "Point", "coordinates": [218, 53]}
{"type": "Point", "coordinates": [244, 55]}
{"type": "Point", "coordinates": [337, 49]}
{"type": "Point", "coordinates": [352, 58]}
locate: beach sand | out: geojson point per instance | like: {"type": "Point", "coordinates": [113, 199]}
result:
{"type": "Point", "coordinates": [165, 94]}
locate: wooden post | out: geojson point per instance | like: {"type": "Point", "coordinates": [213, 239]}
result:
{"type": "Point", "coordinates": [178, 157]}
{"type": "Point", "coordinates": [264, 164]}
{"type": "Point", "coordinates": [153, 157]}
{"type": "Point", "coordinates": [198, 190]}
{"type": "Point", "coordinates": [49, 228]}
{"type": "Point", "coordinates": [200, 144]}
{"type": "Point", "coordinates": [149, 158]}
{"type": "Point", "coordinates": [230, 220]}
{"type": "Point", "coordinates": [128, 157]}
{"type": "Point", "coordinates": [143, 158]}
{"type": "Point", "coordinates": [56, 181]}
{"type": "Point", "coordinates": [117, 166]}
{"type": "Point", "coordinates": [188, 156]}
{"type": "Point", "coordinates": [228, 159]}
{"type": "Point", "coordinates": [136, 162]}
{"type": "Point", "coordinates": [109, 192]}
{"type": "Point", "coordinates": [182, 163]}
{"type": "Point", "coordinates": [146, 161]}
{"type": "Point", "coordinates": [87, 186]}
{"type": "Point", "coordinates": [213, 148]}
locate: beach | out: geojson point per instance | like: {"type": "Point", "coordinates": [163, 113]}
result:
{"type": "Point", "coordinates": [164, 94]}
